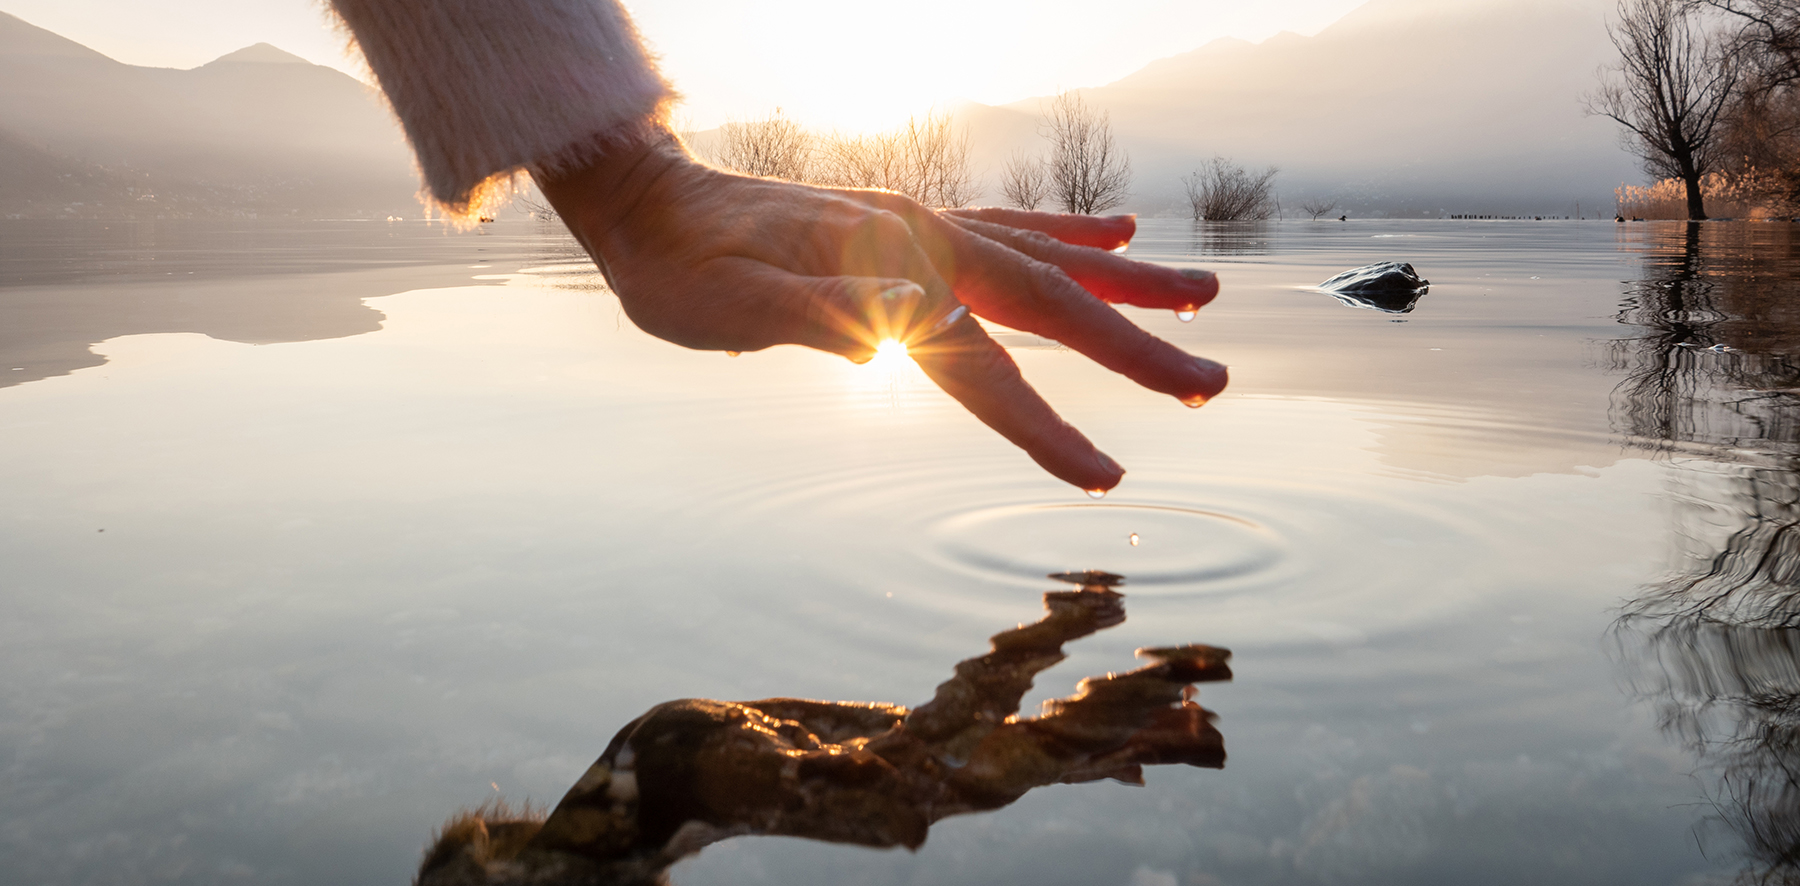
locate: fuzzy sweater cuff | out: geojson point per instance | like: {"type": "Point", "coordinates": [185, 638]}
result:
{"type": "Point", "coordinates": [484, 88]}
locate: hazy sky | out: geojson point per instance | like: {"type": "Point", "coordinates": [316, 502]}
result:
{"type": "Point", "coordinates": [825, 62]}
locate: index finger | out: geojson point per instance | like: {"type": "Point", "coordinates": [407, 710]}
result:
{"type": "Point", "coordinates": [1108, 277]}
{"type": "Point", "coordinates": [1099, 231]}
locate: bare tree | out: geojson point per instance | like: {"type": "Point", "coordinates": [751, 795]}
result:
{"type": "Point", "coordinates": [938, 153]}
{"type": "Point", "coordinates": [1223, 191]}
{"type": "Point", "coordinates": [1669, 89]}
{"type": "Point", "coordinates": [774, 147]}
{"type": "Point", "coordinates": [1761, 139]}
{"type": "Point", "coordinates": [1318, 206]}
{"type": "Point", "coordinates": [927, 160]}
{"type": "Point", "coordinates": [1088, 172]}
{"type": "Point", "coordinates": [1023, 182]}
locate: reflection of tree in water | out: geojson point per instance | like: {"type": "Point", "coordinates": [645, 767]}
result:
{"type": "Point", "coordinates": [1717, 356]}
{"type": "Point", "coordinates": [1713, 383]}
{"type": "Point", "coordinates": [1229, 238]}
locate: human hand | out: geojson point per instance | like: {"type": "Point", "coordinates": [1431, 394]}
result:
{"type": "Point", "coordinates": [716, 261]}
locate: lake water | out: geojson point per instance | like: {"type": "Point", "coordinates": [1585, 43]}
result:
{"type": "Point", "coordinates": [311, 533]}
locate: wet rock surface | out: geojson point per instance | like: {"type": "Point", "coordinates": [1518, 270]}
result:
{"type": "Point", "coordinates": [1392, 287]}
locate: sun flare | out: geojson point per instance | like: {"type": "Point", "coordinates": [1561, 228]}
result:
{"type": "Point", "coordinates": [890, 354]}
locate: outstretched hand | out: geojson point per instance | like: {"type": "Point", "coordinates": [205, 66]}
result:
{"type": "Point", "coordinates": [716, 261]}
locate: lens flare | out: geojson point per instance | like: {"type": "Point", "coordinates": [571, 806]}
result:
{"type": "Point", "coordinates": [890, 355]}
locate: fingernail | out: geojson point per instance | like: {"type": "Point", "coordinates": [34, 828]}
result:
{"type": "Point", "coordinates": [1197, 274]}
{"type": "Point", "coordinates": [1207, 380]}
{"type": "Point", "coordinates": [1107, 464]}
{"type": "Point", "coordinates": [957, 313]}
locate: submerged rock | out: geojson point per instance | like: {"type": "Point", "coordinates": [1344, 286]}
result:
{"type": "Point", "coordinates": [1390, 286]}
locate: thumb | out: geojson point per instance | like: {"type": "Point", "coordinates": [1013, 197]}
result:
{"type": "Point", "coordinates": [852, 316]}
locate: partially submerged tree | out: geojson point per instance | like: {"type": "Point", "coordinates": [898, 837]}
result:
{"type": "Point", "coordinates": [1669, 89]}
{"type": "Point", "coordinates": [1024, 182]}
{"type": "Point", "coordinates": [1319, 206]}
{"type": "Point", "coordinates": [1224, 191]}
{"type": "Point", "coordinates": [774, 147]}
{"type": "Point", "coordinates": [1087, 170]}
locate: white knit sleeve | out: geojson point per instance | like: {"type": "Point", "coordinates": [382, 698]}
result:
{"type": "Point", "coordinates": [485, 87]}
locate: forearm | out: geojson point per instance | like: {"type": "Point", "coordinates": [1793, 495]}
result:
{"type": "Point", "coordinates": [484, 88]}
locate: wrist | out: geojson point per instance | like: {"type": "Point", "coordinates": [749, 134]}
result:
{"type": "Point", "coordinates": [596, 184]}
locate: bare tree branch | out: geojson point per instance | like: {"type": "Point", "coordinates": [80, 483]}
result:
{"type": "Point", "coordinates": [927, 160]}
{"type": "Point", "coordinates": [774, 147]}
{"type": "Point", "coordinates": [1318, 206]}
{"type": "Point", "coordinates": [1223, 191]}
{"type": "Point", "coordinates": [1669, 90]}
{"type": "Point", "coordinates": [1024, 182]}
{"type": "Point", "coordinates": [1088, 171]}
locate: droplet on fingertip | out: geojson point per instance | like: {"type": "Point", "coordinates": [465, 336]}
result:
{"type": "Point", "coordinates": [733, 353]}
{"type": "Point", "coordinates": [1196, 401]}
{"type": "Point", "coordinates": [1096, 493]}
{"type": "Point", "coordinates": [1185, 316]}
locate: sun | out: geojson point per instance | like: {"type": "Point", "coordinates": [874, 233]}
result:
{"type": "Point", "coordinates": [890, 354]}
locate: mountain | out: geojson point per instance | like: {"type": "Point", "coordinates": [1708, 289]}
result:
{"type": "Point", "coordinates": [258, 130]}
{"type": "Point", "coordinates": [1402, 106]}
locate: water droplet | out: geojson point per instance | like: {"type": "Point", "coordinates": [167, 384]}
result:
{"type": "Point", "coordinates": [1096, 493]}
{"type": "Point", "coordinates": [1194, 402]}
{"type": "Point", "coordinates": [733, 353]}
{"type": "Point", "coordinates": [1185, 316]}
{"type": "Point", "coordinates": [1134, 540]}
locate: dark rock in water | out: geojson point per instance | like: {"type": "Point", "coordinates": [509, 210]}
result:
{"type": "Point", "coordinates": [1389, 286]}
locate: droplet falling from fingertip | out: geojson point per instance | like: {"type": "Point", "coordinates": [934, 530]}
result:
{"type": "Point", "coordinates": [1196, 401]}
{"type": "Point", "coordinates": [733, 353]}
{"type": "Point", "coordinates": [1134, 539]}
{"type": "Point", "coordinates": [1186, 316]}
{"type": "Point", "coordinates": [1096, 493]}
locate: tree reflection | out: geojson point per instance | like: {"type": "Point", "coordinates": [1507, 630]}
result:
{"type": "Point", "coordinates": [1712, 383]}
{"type": "Point", "coordinates": [1229, 238]}
{"type": "Point", "coordinates": [691, 772]}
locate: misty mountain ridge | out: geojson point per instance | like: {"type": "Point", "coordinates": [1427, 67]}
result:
{"type": "Point", "coordinates": [1410, 107]}
{"type": "Point", "coordinates": [258, 130]}
{"type": "Point", "coordinates": [1405, 107]}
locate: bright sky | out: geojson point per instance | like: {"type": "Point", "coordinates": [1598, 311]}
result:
{"type": "Point", "coordinates": [824, 62]}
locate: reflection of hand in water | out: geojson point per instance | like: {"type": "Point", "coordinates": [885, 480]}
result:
{"type": "Point", "coordinates": [692, 772]}
{"type": "Point", "coordinates": [712, 260]}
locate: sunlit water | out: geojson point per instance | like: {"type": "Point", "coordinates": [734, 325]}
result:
{"type": "Point", "coordinates": [339, 527]}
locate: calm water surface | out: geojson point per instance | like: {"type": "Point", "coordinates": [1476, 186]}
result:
{"type": "Point", "coordinates": [312, 533]}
